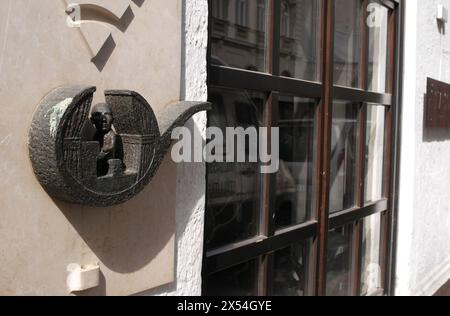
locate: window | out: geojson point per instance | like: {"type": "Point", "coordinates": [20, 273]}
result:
{"type": "Point", "coordinates": [325, 76]}
{"type": "Point", "coordinates": [220, 9]}
{"type": "Point", "coordinates": [343, 156]}
{"type": "Point", "coordinates": [239, 41]}
{"type": "Point", "coordinates": [285, 19]}
{"type": "Point", "coordinates": [241, 12]}
{"type": "Point", "coordinates": [293, 202]}
{"type": "Point", "coordinates": [233, 188]}
{"type": "Point", "coordinates": [378, 48]}
{"type": "Point", "coordinates": [347, 41]}
{"type": "Point", "coordinates": [371, 268]}
{"type": "Point", "coordinates": [261, 16]}
{"type": "Point", "coordinates": [339, 261]}
{"type": "Point", "coordinates": [300, 43]}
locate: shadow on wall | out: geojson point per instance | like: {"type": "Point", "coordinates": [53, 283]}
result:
{"type": "Point", "coordinates": [441, 26]}
{"type": "Point", "coordinates": [127, 237]}
{"type": "Point", "coordinates": [90, 13]}
{"type": "Point", "coordinates": [190, 191]}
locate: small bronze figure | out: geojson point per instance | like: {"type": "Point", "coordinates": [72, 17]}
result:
{"type": "Point", "coordinates": [102, 118]}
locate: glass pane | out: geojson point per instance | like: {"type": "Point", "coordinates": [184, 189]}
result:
{"type": "Point", "coordinates": [371, 269]}
{"type": "Point", "coordinates": [238, 36]}
{"type": "Point", "coordinates": [232, 212]}
{"type": "Point", "coordinates": [291, 271]}
{"type": "Point", "coordinates": [378, 46]}
{"type": "Point", "coordinates": [295, 177]}
{"type": "Point", "coordinates": [300, 39]}
{"type": "Point", "coordinates": [339, 262]}
{"type": "Point", "coordinates": [343, 156]}
{"type": "Point", "coordinates": [240, 280]}
{"type": "Point", "coordinates": [347, 42]}
{"type": "Point", "coordinates": [374, 153]}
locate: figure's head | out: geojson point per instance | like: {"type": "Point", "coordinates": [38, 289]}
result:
{"type": "Point", "coordinates": [102, 117]}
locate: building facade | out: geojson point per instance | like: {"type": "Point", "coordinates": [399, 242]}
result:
{"type": "Point", "coordinates": [358, 206]}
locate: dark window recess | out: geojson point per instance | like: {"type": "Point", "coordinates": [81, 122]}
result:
{"type": "Point", "coordinates": [290, 273]}
{"type": "Point", "coordinates": [240, 280]}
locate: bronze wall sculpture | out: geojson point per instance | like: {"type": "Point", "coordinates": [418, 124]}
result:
{"type": "Point", "coordinates": [105, 158]}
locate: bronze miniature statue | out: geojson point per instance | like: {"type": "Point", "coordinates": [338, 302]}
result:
{"type": "Point", "coordinates": [129, 144]}
{"type": "Point", "coordinates": [102, 118]}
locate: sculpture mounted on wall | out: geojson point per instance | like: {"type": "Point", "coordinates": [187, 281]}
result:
{"type": "Point", "coordinates": [106, 157]}
{"type": "Point", "coordinates": [102, 118]}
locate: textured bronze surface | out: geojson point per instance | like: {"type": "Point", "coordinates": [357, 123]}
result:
{"type": "Point", "coordinates": [105, 159]}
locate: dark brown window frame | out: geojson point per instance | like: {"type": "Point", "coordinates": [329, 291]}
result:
{"type": "Point", "coordinates": [325, 93]}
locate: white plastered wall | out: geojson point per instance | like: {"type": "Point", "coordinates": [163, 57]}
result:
{"type": "Point", "coordinates": [423, 253]}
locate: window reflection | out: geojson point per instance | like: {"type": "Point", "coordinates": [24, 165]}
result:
{"type": "Point", "coordinates": [339, 261]}
{"type": "Point", "coordinates": [378, 47]}
{"type": "Point", "coordinates": [238, 35]}
{"type": "Point", "coordinates": [290, 271]}
{"type": "Point", "coordinates": [261, 15]}
{"type": "Point", "coordinates": [300, 39]}
{"type": "Point", "coordinates": [241, 12]}
{"type": "Point", "coordinates": [285, 18]}
{"type": "Point", "coordinates": [347, 42]}
{"type": "Point", "coordinates": [343, 156]}
{"type": "Point", "coordinates": [371, 269]}
{"type": "Point", "coordinates": [220, 9]}
{"type": "Point", "coordinates": [294, 179]}
{"type": "Point", "coordinates": [374, 153]}
{"type": "Point", "coordinates": [233, 188]}
{"type": "Point", "coordinates": [240, 280]}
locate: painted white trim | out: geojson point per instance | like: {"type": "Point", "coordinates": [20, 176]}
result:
{"type": "Point", "coordinates": [435, 279]}
{"type": "Point", "coordinates": [408, 148]}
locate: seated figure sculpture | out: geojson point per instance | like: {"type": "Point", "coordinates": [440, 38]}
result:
{"type": "Point", "coordinates": [108, 160]}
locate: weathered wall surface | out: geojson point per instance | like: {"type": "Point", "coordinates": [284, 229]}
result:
{"type": "Point", "coordinates": [133, 243]}
{"type": "Point", "coordinates": [424, 223]}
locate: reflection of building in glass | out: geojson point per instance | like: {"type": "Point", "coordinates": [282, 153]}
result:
{"type": "Point", "coordinates": [239, 36]}
{"type": "Point", "coordinates": [299, 42]}
{"type": "Point", "coordinates": [233, 188]}
{"type": "Point", "coordinates": [238, 33]}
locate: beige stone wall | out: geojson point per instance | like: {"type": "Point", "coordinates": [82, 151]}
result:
{"type": "Point", "coordinates": [133, 243]}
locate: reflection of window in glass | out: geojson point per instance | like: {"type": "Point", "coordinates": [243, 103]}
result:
{"type": "Point", "coordinates": [241, 12]}
{"type": "Point", "coordinates": [290, 271]}
{"type": "Point", "coordinates": [220, 9]}
{"type": "Point", "coordinates": [239, 41]}
{"type": "Point", "coordinates": [300, 52]}
{"type": "Point", "coordinates": [347, 42]}
{"type": "Point", "coordinates": [378, 48]}
{"type": "Point", "coordinates": [374, 152]}
{"type": "Point", "coordinates": [285, 19]}
{"type": "Point", "coordinates": [233, 196]}
{"type": "Point", "coordinates": [294, 179]}
{"type": "Point", "coordinates": [343, 156]}
{"type": "Point", "coordinates": [371, 269]}
{"type": "Point", "coordinates": [261, 15]}
{"type": "Point", "coordinates": [339, 261]}
{"type": "Point", "coordinates": [240, 280]}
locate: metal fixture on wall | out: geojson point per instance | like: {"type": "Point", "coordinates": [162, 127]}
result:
{"type": "Point", "coordinates": [437, 106]}
{"type": "Point", "coordinates": [442, 13]}
{"type": "Point", "coordinates": [108, 158]}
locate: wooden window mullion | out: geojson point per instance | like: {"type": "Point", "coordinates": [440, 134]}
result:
{"type": "Point", "coordinates": [389, 154]}
{"type": "Point", "coordinates": [325, 118]}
